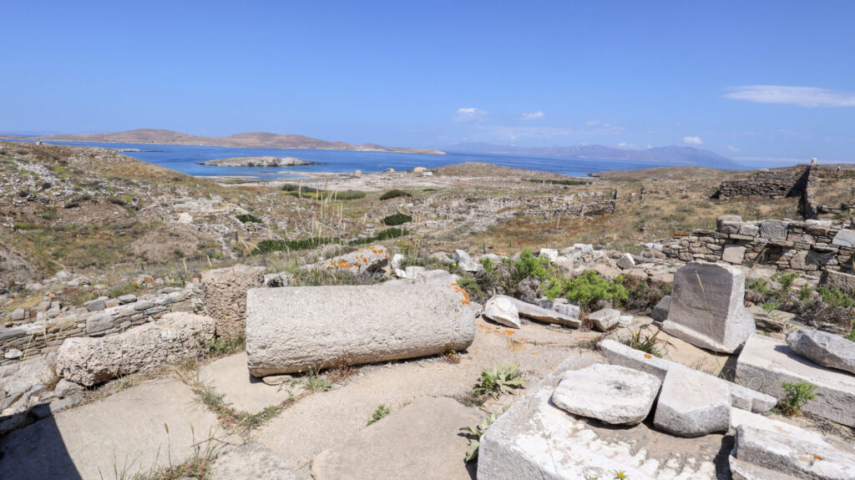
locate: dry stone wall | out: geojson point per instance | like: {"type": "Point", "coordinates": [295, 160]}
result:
{"type": "Point", "coordinates": [768, 184]}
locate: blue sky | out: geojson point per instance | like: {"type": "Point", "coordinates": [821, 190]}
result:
{"type": "Point", "coordinates": [750, 80]}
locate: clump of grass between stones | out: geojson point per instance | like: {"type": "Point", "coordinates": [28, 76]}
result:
{"type": "Point", "coordinates": [315, 382]}
{"type": "Point", "coordinates": [644, 341]}
{"type": "Point", "coordinates": [797, 395]}
{"type": "Point", "coordinates": [475, 433]}
{"type": "Point", "coordinates": [248, 218]}
{"type": "Point", "coordinates": [502, 379]}
{"type": "Point", "coordinates": [382, 411]}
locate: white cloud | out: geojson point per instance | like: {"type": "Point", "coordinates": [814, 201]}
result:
{"type": "Point", "coordinates": [592, 123]}
{"type": "Point", "coordinates": [800, 96]}
{"type": "Point", "coordinates": [692, 140]}
{"type": "Point", "coordinates": [468, 114]}
{"type": "Point", "coordinates": [621, 144]}
{"type": "Point", "coordinates": [733, 149]}
{"type": "Point", "coordinates": [532, 115]}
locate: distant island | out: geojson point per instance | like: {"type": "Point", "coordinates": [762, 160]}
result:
{"type": "Point", "coordinates": [257, 162]}
{"type": "Point", "coordinates": [245, 140]}
{"type": "Point", "coordinates": [672, 155]}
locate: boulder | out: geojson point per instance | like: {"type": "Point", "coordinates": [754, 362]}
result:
{"type": "Point", "coordinates": [225, 296]}
{"type": "Point", "coordinates": [549, 253]}
{"type": "Point", "coordinates": [626, 262]}
{"type": "Point", "coordinates": [396, 260]}
{"type": "Point", "coordinates": [767, 362]}
{"type": "Point", "coordinates": [692, 404]}
{"type": "Point", "coordinates": [660, 311]}
{"type": "Point", "coordinates": [605, 319]}
{"type": "Point", "coordinates": [774, 229]}
{"type": "Point", "coordinates": [250, 461]}
{"type": "Point", "coordinates": [789, 456]}
{"type": "Point", "coordinates": [610, 393]}
{"type": "Point", "coordinates": [733, 254]}
{"type": "Point", "coordinates": [741, 396]}
{"type": "Point", "coordinates": [707, 307]}
{"type": "Point", "coordinates": [434, 277]}
{"type": "Point", "coordinates": [541, 314]}
{"type": "Point", "coordinates": [826, 349]}
{"type": "Point", "coordinates": [465, 262]}
{"type": "Point", "coordinates": [368, 259]}
{"type": "Point", "coordinates": [844, 238]}
{"type": "Point", "coordinates": [502, 311]}
{"type": "Point", "coordinates": [89, 361]}
{"type": "Point", "coordinates": [294, 329]}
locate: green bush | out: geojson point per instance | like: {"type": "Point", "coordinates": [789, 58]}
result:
{"type": "Point", "coordinates": [266, 246]}
{"type": "Point", "coordinates": [397, 219]}
{"type": "Point", "coordinates": [835, 298]}
{"type": "Point", "coordinates": [502, 379]}
{"type": "Point", "coordinates": [395, 194]}
{"type": "Point", "coordinates": [387, 234]}
{"type": "Point", "coordinates": [589, 288]}
{"type": "Point", "coordinates": [796, 396]}
{"type": "Point", "coordinates": [248, 218]}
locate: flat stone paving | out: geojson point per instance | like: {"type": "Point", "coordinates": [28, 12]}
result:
{"type": "Point", "coordinates": [123, 433]}
{"type": "Point", "coordinates": [230, 377]}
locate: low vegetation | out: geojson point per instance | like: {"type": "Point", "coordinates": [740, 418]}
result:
{"type": "Point", "coordinates": [395, 194]}
{"type": "Point", "coordinates": [797, 395]}
{"type": "Point", "coordinates": [502, 379]}
{"type": "Point", "coordinates": [379, 414]}
{"type": "Point", "coordinates": [397, 219]}
{"type": "Point", "coordinates": [248, 218]}
{"type": "Point", "coordinates": [475, 433]}
{"type": "Point", "coordinates": [644, 341]}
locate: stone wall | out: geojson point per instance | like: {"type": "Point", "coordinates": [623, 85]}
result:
{"type": "Point", "coordinates": [42, 329]}
{"type": "Point", "coordinates": [768, 184]}
{"type": "Point", "coordinates": [805, 247]}
{"type": "Point", "coordinates": [594, 203]}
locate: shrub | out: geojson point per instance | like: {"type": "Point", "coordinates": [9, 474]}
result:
{"type": "Point", "coordinates": [266, 246]}
{"type": "Point", "coordinates": [475, 433]}
{"type": "Point", "coordinates": [835, 298]}
{"type": "Point", "coordinates": [397, 219]}
{"type": "Point", "coordinates": [796, 396]}
{"type": "Point", "coordinates": [590, 288]}
{"type": "Point", "coordinates": [502, 379]}
{"type": "Point", "coordinates": [395, 194]}
{"type": "Point", "coordinates": [248, 218]}
{"type": "Point", "coordinates": [383, 235]}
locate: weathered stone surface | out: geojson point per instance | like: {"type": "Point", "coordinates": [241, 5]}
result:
{"type": "Point", "coordinates": [826, 349]}
{"type": "Point", "coordinates": [89, 361]}
{"type": "Point", "coordinates": [749, 230]}
{"type": "Point", "coordinates": [428, 430]}
{"type": "Point", "coordinates": [707, 307]}
{"type": "Point", "coordinates": [535, 440]}
{"type": "Point", "coordinates": [125, 432]}
{"type": "Point", "coordinates": [843, 281]}
{"type": "Point", "coordinates": [845, 238]}
{"type": "Point", "coordinates": [660, 311]}
{"type": "Point", "coordinates": [692, 404]}
{"type": "Point", "coordinates": [741, 396]}
{"type": "Point", "coordinates": [368, 259]}
{"type": "Point", "coordinates": [225, 296]}
{"type": "Point", "coordinates": [611, 393]}
{"type": "Point", "coordinates": [465, 262]}
{"type": "Point", "coordinates": [230, 377]}
{"type": "Point", "coordinates": [293, 329]}
{"type": "Point", "coordinates": [434, 277]}
{"type": "Point", "coordinates": [792, 455]}
{"type": "Point", "coordinates": [733, 254]}
{"type": "Point", "coordinates": [250, 461]}
{"type": "Point", "coordinates": [774, 229]}
{"type": "Point", "coordinates": [95, 305]}
{"type": "Point", "coordinates": [626, 262]}
{"type": "Point", "coordinates": [541, 314]}
{"type": "Point", "coordinates": [549, 253]}
{"type": "Point", "coordinates": [766, 362]}
{"type": "Point", "coordinates": [503, 311]}
{"type": "Point", "coordinates": [605, 319]}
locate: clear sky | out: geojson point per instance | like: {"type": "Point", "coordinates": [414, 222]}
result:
{"type": "Point", "coordinates": [746, 79]}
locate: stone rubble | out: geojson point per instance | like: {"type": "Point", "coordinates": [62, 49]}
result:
{"type": "Point", "coordinates": [502, 311]}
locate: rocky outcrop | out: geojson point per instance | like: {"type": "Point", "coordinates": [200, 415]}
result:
{"type": "Point", "coordinates": [225, 296]}
{"type": "Point", "coordinates": [257, 162]}
{"type": "Point", "coordinates": [368, 259]}
{"type": "Point", "coordinates": [89, 361]}
{"type": "Point", "coordinates": [297, 328]}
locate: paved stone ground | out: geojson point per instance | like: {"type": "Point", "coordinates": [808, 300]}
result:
{"type": "Point", "coordinates": [124, 433]}
{"type": "Point", "coordinates": [230, 377]}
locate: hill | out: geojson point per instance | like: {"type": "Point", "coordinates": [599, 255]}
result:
{"type": "Point", "coordinates": [245, 140]}
{"type": "Point", "coordinates": [672, 155]}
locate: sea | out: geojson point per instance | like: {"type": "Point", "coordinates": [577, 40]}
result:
{"type": "Point", "coordinates": [186, 159]}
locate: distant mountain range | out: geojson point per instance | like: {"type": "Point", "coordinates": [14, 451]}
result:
{"type": "Point", "coordinates": [246, 140]}
{"type": "Point", "coordinates": [673, 155]}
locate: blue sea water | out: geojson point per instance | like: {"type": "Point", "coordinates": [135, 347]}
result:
{"type": "Point", "coordinates": [185, 159]}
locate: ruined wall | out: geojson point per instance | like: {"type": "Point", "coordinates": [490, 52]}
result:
{"type": "Point", "coordinates": [771, 184]}
{"type": "Point", "coordinates": [787, 245]}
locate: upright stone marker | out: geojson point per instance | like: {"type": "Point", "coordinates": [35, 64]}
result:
{"type": "Point", "coordinates": [297, 328]}
{"type": "Point", "coordinates": [225, 296]}
{"type": "Point", "coordinates": [707, 307]}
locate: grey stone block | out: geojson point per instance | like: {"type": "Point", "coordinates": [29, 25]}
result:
{"type": "Point", "coordinates": [692, 404]}
{"type": "Point", "coordinates": [826, 349]}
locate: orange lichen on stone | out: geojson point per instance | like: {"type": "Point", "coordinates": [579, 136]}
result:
{"type": "Point", "coordinates": [465, 300]}
{"type": "Point", "coordinates": [648, 356]}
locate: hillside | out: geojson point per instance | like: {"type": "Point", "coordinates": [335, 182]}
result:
{"type": "Point", "coordinates": [246, 140]}
{"type": "Point", "coordinates": [671, 155]}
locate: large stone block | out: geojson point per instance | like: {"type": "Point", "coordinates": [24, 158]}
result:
{"type": "Point", "coordinates": [842, 281]}
{"type": "Point", "coordinates": [741, 397]}
{"type": "Point", "coordinates": [536, 440]}
{"type": "Point", "coordinates": [541, 314]}
{"type": "Point", "coordinates": [826, 349]}
{"type": "Point", "coordinates": [767, 362]}
{"type": "Point", "coordinates": [844, 238]}
{"type": "Point", "coordinates": [692, 404]}
{"type": "Point", "coordinates": [733, 254]}
{"type": "Point", "coordinates": [502, 311]}
{"type": "Point", "coordinates": [774, 229]}
{"type": "Point", "coordinates": [707, 307]}
{"type": "Point", "coordinates": [225, 296]}
{"type": "Point", "coordinates": [89, 361]}
{"type": "Point", "coordinates": [611, 393]}
{"type": "Point", "coordinates": [294, 329]}
{"type": "Point", "coordinates": [660, 311]}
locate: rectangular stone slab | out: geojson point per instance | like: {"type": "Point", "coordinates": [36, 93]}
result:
{"type": "Point", "coordinates": [535, 439]}
{"type": "Point", "coordinates": [297, 328]}
{"type": "Point", "coordinates": [766, 362]}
